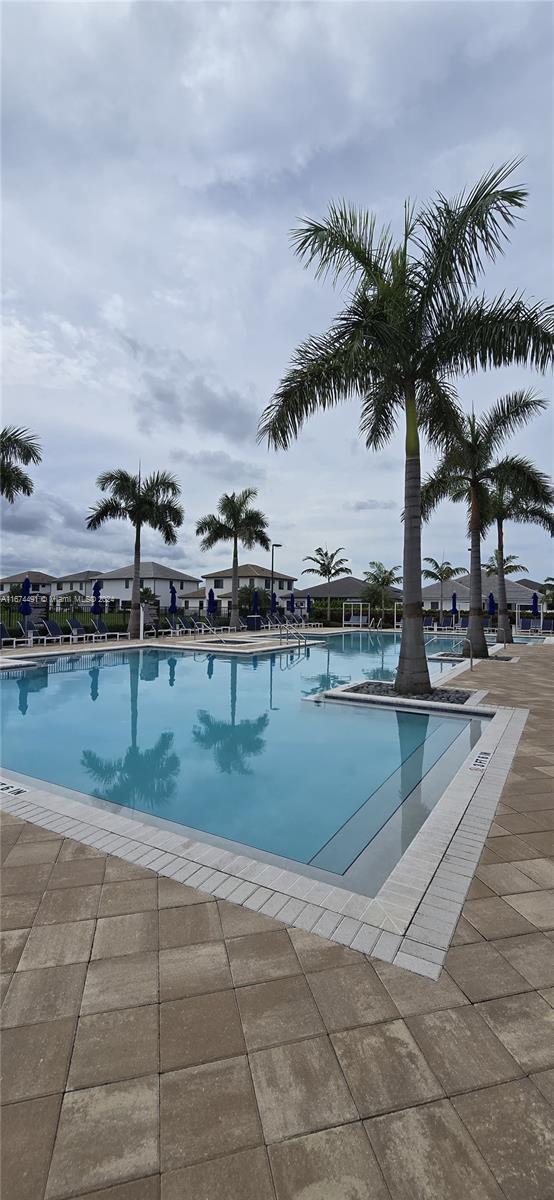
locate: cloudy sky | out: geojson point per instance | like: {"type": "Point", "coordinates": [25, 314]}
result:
{"type": "Point", "coordinates": [155, 157]}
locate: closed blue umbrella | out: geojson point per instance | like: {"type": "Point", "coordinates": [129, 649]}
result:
{"type": "Point", "coordinates": [173, 601]}
{"type": "Point", "coordinates": [255, 603]}
{"type": "Point", "coordinates": [210, 666]}
{"type": "Point", "coordinates": [212, 603]}
{"type": "Point", "coordinates": [25, 607]}
{"type": "Point", "coordinates": [534, 605]}
{"type": "Point", "coordinates": [492, 605]}
{"type": "Point", "coordinates": [308, 604]}
{"type": "Point", "coordinates": [273, 602]}
{"type": "Point", "coordinates": [454, 605]}
{"type": "Point", "coordinates": [291, 602]}
{"type": "Point", "coordinates": [97, 588]}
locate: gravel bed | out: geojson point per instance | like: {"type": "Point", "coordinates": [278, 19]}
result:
{"type": "Point", "coordinates": [442, 695]}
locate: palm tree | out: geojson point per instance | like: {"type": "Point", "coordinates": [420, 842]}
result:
{"type": "Point", "coordinates": [524, 495]}
{"type": "Point", "coordinates": [235, 521]}
{"type": "Point", "coordinates": [440, 572]}
{"type": "Point", "coordinates": [382, 579]}
{"type": "Point", "coordinates": [510, 564]}
{"type": "Point", "coordinates": [468, 472]}
{"type": "Point", "coordinates": [548, 591]}
{"type": "Point", "coordinates": [151, 502]}
{"type": "Point", "coordinates": [17, 446]}
{"type": "Point", "coordinates": [411, 323]}
{"type": "Point", "coordinates": [328, 566]}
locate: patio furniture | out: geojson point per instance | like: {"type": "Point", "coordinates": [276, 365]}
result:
{"type": "Point", "coordinates": [7, 637]}
{"type": "Point", "coordinates": [105, 633]}
{"type": "Point", "coordinates": [175, 626]}
{"type": "Point", "coordinates": [78, 631]}
{"type": "Point", "coordinates": [548, 625]}
{"type": "Point", "coordinates": [428, 622]}
{"type": "Point", "coordinates": [446, 623]}
{"type": "Point", "coordinates": [55, 631]}
{"type": "Point", "coordinates": [32, 632]}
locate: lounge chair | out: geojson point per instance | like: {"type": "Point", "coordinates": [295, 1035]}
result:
{"type": "Point", "coordinates": [428, 622]}
{"type": "Point", "coordinates": [525, 625]}
{"type": "Point", "coordinates": [103, 632]}
{"type": "Point", "coordinates": [174, 626]}
{"type": "Point", "coordinates": [547, 625]}
{"type": "Point", "coordinates": [464, 623]}
{"type": "Point", "coordinates": [446, 623]}
{"type": "Point", "coordinates": [7, 637]}
{"type": "Point", "coordinates": [55, 631]}
{"type": "Point", "coordinates": [78, 631]}
{"type": "Point", "coordinates": [33, 632]}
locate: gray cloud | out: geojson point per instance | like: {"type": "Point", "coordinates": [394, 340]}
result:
{"type": "Point", "coordinates": [370, 505]}
{"type": "Point", "coordinates": [219, 465]}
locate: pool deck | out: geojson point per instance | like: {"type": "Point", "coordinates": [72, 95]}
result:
{"type": "Point", "coordinates": [161, 1044]}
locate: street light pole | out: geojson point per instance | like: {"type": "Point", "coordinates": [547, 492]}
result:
{"type": "Point", "coordinates": [274, 546]}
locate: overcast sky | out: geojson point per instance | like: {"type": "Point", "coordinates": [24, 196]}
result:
{"type": "Point", "coordinates": [155, 157]}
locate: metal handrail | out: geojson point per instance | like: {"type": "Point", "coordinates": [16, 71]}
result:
{"type": "Point", "coordinates": [295, 633]}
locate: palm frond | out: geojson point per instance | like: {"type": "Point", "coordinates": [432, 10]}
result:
{"type": "Point", "coordinates": [434, 488]}
{"type": "Point", "coordinates": [380, 408]}
{"type": "Point", "coordinates": [507, 414]}
{"type": "Point", "coordinates": [456, 237]}
{"type": "Point", "coordinates": [345, 243]}
{"type": "Point", "coordinates": [19, 445]}
{"type": "Point", "coordinates": [481, 333]}
{"type": "Point", "coordinates": [14, 482]}
{"type": "Point", "coordinates": [109, 509]}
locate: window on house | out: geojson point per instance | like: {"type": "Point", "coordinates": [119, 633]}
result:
{"type": "Point", "coordinates": [142, 583]}
{"type": "Point", "coordinates": [34, 587]}
{"type": "Point", "coordinates": [59, 587]}
{"type": "Point", "coordinates": [289, 584]}
{"type": "Point", "coordinates": [251, 582]}
{"type": "Point", "coordinates": [71, 584]}
{"type": "Point", "coordinates": [200, 605]}
{"type": "Point", "coordinates": [1, 587]}
{"type": "Point", "coordinates": [218, 583]}
{"type": "Point", "coordinates": [434, 604]}
{"type": "Point", "coordinates": [181, 585]}
{"type": "Point", "coordinates": [281, 585]}
{"type": "Point", "coordinates": [127, 583]}
{"type": "Point", "coordinates": [186, 603]}
{"type": "Point", "coordinates": [267, 584]}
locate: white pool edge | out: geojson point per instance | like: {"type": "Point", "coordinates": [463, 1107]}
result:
{"type": "Point", "coordinates": [412, 919]}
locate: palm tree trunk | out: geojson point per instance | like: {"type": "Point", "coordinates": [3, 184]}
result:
{"type": "Point", "coordinates": [475, 631]}
{"type": "Point", "coordinates": [329, 601]}
{"type": "Point", "coordinates": [134, 623]}
{"type": "Point", "coordinates": [233, 692]}
{"type": "Point", "coordinates": [504, 623]}
{"type": "Point", "coordinates": [133, 687]}
{"type": "Point", "coordinates": [235, 584]}
{"type": "Point", "coordinates": [441, 601]}
{"type": "Point", "coordinates": [412, 675]}
{"type": "Point", "coordinates": [382, 607]}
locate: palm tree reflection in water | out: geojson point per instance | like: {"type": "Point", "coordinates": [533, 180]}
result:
{"type": "Point", "coordinates": [140, 778]}
{"type": "Point", "coordinates": [230, 743]}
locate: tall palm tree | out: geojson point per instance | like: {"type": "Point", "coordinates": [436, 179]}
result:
{"type": "Point", "coordinates": [411, 323]}
{"type": "Point", "coordinates": [382, 578]}
{"type": "Point", "coordinates": [235, 521]}
{"type": "Point", "coordinates": [328, 566]}
{"type": "Point", "coordinates": [468, 473]}
{"type": "Point", "coordinates": [440, 572]}
{"type": "Point", "coordinates": [150, 502]}
{"type": "Point", "coordinates": [522, 494]}
{"type": "Point", "coordinates": [17, 446]}
{"type": "Point", "coordinates": [548, 591]}
{"type": "Point", "coordinates": [509, 564]}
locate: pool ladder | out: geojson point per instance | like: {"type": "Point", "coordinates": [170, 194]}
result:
{"type": "Point", "coordinates": [299, 638]}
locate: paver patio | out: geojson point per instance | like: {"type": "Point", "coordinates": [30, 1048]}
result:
{"type": "Point", "coordinates": [158, 1044]}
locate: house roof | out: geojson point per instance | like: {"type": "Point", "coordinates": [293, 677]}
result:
{"type": "Point", "coordinates": [250, 569]}
{"type": "Point", "coordinates": [78, 575]}
{"type": "Point", "coordinates": [197, 594]}
{"type": "Point", "coordinates": [348, 588]}
{"type": "Point", "coordinates": [148, 570]}
{"type": "Point", "coordinates": [34, 576]}
{"type": "Point", "coordinates": [531, 583]}
{"type": "Point", "coordinates": [515, 592]}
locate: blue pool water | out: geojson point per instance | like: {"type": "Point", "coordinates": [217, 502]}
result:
{"type": "Point", "coordinates": [226, 746]}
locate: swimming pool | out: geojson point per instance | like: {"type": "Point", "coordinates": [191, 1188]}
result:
{"type": "Point", "coordinates": [229, 747]}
